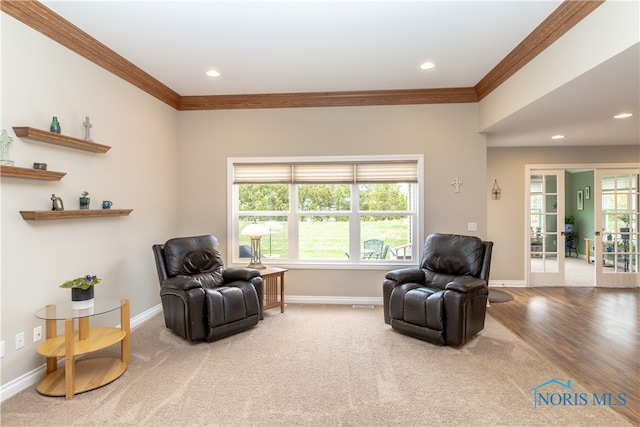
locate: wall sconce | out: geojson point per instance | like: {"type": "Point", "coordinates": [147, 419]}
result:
{"type": "Point", "coordinates": [255, 232]}
{"type": "Point", "coordinates": [495, 191]}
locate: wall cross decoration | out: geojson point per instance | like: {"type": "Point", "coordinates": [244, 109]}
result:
{"type": "Point", "coordinates": [457, 182]}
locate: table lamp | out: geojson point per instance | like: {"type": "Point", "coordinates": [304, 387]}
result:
{"type": "Point", "coordinates": [255, 232]}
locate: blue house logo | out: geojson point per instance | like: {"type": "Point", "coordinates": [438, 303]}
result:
{"type": "Point", "coordinates": [544, 397]}
{"type": "Point", "coordinates": [563, 394]}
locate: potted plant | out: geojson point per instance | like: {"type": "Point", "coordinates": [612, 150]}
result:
{"type": "Point", "coordinates": [81, 291]}
{"type": "Point", "coordinates": [571, 235]}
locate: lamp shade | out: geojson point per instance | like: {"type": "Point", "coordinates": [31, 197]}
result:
{"type": "Point", "coordinates": [255, 229]}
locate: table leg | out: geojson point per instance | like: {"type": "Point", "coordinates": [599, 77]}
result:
{"type": "Point", "coordinates": [51, 332]}
{"type": "Point", "coordinates": [69, 359]}
{"type": "Point", "coordinates": [125, 344]}
{"type": "Point", "coordinates": [282, 293]}
{"type": "Point", "coordinates": [83, 328]}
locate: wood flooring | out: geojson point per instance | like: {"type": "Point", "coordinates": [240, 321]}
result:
{"type": "Point", "coordinates": [591, 334]}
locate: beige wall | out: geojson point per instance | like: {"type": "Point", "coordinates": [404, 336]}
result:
{"type": "Point", "coordinates": [506, 217]}
{"type": "Point", "coordinates": [170, 168]}
{"type": "Point", "coordinates": [41, 79]}
{"type": "Point", "coordinates": [444, 134]}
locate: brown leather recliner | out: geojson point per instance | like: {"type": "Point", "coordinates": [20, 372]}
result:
{"type": "Point", "coordinates": [201, 300]}
{"type": "Point", "coordinates": [443, 300]}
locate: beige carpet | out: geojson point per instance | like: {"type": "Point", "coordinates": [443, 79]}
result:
{"type": "Point", "coordinates": [316, 365]}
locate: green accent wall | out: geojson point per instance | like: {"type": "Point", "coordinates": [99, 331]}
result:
{"type": "Point", "coordinates": [585, 219]}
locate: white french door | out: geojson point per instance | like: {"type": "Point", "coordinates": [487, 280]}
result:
{"type": "Point", "coordinates": [616, 227]}
{"type": "Point", "coordinates": [545, 237]}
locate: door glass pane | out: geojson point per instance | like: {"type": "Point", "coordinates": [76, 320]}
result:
{"type": "Point", "coordinates": [620, 223]}
{"type": "Point", "coordinates": [551, 203]}
{"type": "Point", "coordinates": [551, 223]}
{"type": "Point", "coordinates": [551, 184]}
{"type": "Point", "coordinates": [550, 243]}
{"type": "Point", "coordinates": [544, 223]}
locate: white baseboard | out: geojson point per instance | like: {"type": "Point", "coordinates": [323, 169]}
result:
{"type": "Point", "coordinates": [32, 377]}
{"type": "Point", "coordinates": [507, 284]}
{"type": "Point", "coordinates": [303, 299]}
{"type": "Point", "coordinates": [146, 315]}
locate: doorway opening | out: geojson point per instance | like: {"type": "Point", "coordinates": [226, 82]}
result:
{"type": "Point", "coordinates": [583, 226]}
{"type": "Point", "coordinates": [579, 227]}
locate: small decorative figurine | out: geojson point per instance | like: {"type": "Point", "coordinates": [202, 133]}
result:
{"type": "Point", "coordinates": [57, 204]}
{"type": "Point", "coordinates": [87, 127]}
{"type": "Point", "coordinates": [5, 141]}
{"type": "Point", "coordinates": [55, 125]}
{"type": "Point", "coordinates": [84, 200]}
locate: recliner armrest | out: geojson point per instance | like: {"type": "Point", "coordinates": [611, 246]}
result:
{"type": "Point", "coordinates": [404, 275]}
{"type": "Point", "coordinates": [180, 283]}
{"type": "Point", "coordinates": [239, 273]}
{"type": "Point", "coordinates": [465, 284]}
{"type": "Point", "coordinates": [250, 275]}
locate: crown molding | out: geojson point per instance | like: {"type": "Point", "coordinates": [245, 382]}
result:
{"type": "Point", "coordinates": [329, 99]}
{"type": "Point", "coordinates": [561, 20]}
{"type": "Point", "coordinates": [44, 20]}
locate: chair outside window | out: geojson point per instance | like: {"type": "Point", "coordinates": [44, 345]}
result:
{"type": "Point", "coordinates": [374, 249]}
{"type": "Point", "coordinates": [402, 251]}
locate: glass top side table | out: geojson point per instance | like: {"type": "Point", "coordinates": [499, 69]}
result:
{"type": "Point", "coordinates": [86, 374]}
{"type": "Point", "coordinates": [63, 310]}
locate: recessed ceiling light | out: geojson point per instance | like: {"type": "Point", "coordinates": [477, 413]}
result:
{"type": "Point", "coordinates": [213, 73]}
{"type": "Point", "coordinates": [427, 65]}
{"type": "Point", "coordinates": [622, 116]}
{"type": "Point", "coordinates": [557, 137]}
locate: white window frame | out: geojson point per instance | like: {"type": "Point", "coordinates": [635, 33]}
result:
{"type": "Point", "coordinates": [293, 215]}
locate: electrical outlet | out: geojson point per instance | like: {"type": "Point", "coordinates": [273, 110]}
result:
{"type": "Point", "coordinates": [37, 333]}
{"type": "Point", "coordinates": [19, 340]}
{"type": "Point", "coordinates": [1, 348]}
{"type": "Point", "coordinates": [472, 226]}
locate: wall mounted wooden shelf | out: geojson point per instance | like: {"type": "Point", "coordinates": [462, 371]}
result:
{"type": "Point", "coordinates": [18, 172]}
{"type": "Point", "coordinates": [58, 139]}
{"type": "Point", "coordinates": [83, 213]}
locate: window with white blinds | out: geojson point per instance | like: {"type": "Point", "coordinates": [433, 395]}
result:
{"type": "Point", "coordinates": [326, 172]}
{"type": "Point", "coordinates": [325, 211]}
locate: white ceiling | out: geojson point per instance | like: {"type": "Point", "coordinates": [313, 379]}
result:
{"type": "Point", "coordinates": [582, 110]}
{"type": "Point", "coordinates": [316, 46]}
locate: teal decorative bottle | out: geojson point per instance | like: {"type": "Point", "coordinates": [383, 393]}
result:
{"type": "Point", "coordinates": [55, 125]}
{"type": "Point", "coordinates": [84, 200]}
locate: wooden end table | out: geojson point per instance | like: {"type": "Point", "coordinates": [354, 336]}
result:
{"type": "Point", "coordinates": [272, 276]}
{"type": "Point", "coordinates": [85, 374]}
